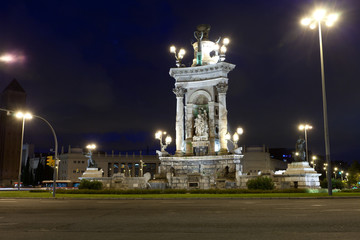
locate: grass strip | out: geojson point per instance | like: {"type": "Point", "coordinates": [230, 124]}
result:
{"type": "Point", "coordinates": [27, 194]}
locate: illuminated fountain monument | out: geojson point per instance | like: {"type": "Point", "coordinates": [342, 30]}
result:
{"type": "Point", "coordinates": [202, 159]}
{"type": "Point", "coordinates": [92, 171]}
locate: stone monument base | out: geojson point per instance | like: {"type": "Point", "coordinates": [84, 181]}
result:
{"type": "Point", "coordinates": [301, 175]}
{"type": "Point", "coordinates": [92, 173]}
{"type": "Point", "coordinates": [201, 172]}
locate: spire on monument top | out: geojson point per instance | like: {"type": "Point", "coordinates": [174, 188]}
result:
{"type": "Point", "coordinates": [206, 52]}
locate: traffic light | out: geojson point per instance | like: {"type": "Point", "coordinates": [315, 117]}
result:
{"type": "Point", "coordinates": [50, 161]}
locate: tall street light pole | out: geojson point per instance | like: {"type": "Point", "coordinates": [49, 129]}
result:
{"type": "Point", "coordinates": [23, 116]}
{"type": "Point", "coordinates": [318, 17]}
{"type": "Point", "coordinates": [56, 166]}
{"type": "Point", "coordinates": [29, 116]}
{"type": "Point", "coordinates": [305, 128]}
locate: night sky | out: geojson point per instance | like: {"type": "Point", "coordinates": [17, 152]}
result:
{"type": "Point", "coordinates": [98, 71]}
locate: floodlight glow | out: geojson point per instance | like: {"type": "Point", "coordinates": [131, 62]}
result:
{"type": "Point", "coordinates": [329, 23]}
{"type": "Point", "coordinates": [91, 146]}
{"type": "Point", "coordinates": [223, 49]}
{"type": "Point", "coordinates": [305, 21]}
{"type": "Point", "coordinates": [240, 131]}
{"type": "Point", "coordinates": [227, 136]}
{"type": "Point", "coordinates": [226, 41]}
{"type": "Point", "coordinates": [172, 49]}
{"type": "Point", "coordinates": [7, 58]}
{"type": "Point", "coordinates": [168, 140]}
{"type": "Point", "coordinates": [158, 134]}
{"type": "Point", "coordinates": [28, 116]}
{"type": "Point", "coordinates": [236, 137]}
{"type": "Point", "coordinates": [182, 53]}
{"type": "Point", "coordinates": [312, 26]}
{"type": "Point", "coordinates": [19, 115]}
{"type": "Point", "coordinates": [333, 17]}
{"type": "Point", "coordinates": [319, 14]}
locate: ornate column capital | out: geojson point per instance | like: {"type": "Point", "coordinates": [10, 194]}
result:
{"type": "Point", "coordinates": [222, 87]}
{"type": "Point", "coordinates": [179, 91]}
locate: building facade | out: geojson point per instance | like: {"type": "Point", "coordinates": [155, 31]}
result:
{"type": "Point", "coordinates": [12, 98]}
{"type": "Point", "coordinates": [73, 164]}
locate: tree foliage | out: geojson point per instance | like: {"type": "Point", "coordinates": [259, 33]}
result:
{"type": "Point", "coordinates": [263, 183]}
{"type": "Point", "coordinates": [354, 173]}
{"type": "Point", "coordinates": [336, 183]}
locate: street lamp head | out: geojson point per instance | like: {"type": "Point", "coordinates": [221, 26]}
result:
{"type": "Point", "coordinates": [168, 140]}
{"type": "Point", "coordinates": [305, 21]}
{"type": "Point", "coordinates": [182, 53]}
{"type": "Point", "coordinates": [227, 136]}
{"type": "Point", "coordinates": [173, 49]}
{"type": "Point", "coordinates": [226, 41]}
{"type": "Point", "coordinates": [314, 157]}
{"type": "Point", "coordinates": [158, 134]}
{"type": "Point", "coordinates": [319, 14]}
{"type": "Point", "coordinates": [91, 146]}
{"type": "Point", "coordinates": [240, 130]}
{"type": "Point", "coordinates": [304, 127]}
{"type": "Point", "coordinates": [23, 115]}
{"type": "Point", "coordinates": [223, 49]}
{"type": "Point", "coordinates": [236, 137]}
{"type": "Point", "coordinates": [7, 58]}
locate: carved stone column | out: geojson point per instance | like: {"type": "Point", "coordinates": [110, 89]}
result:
{"type": "Point", "coordinates": [179, 92]}
{"type": "Point", "coordinates": [189, 129]}
{"type": "Point", "coordinates": [222, 89]}
{"type": "Point", "coordinates": [212, 128]}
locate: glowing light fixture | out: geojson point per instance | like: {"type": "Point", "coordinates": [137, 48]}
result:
{"type": "Point", "coordinates": [178, 56]}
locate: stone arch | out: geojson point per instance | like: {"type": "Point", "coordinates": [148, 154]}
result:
{"type": "Point", "coordinates": [198, 94]}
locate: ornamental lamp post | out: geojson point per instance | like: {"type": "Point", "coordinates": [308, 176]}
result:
{"type": "Point", "coordinates": [320, 16]}
{"type": "Point", "coordinates": [178, 56]}
{"type": "Point", "coordinates": [168, 140]}
{"type": "Point", "coordinates": [235, 139]}
{"type": "Point", "coordinates": [222, 49]}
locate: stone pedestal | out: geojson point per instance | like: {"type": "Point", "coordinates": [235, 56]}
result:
{"type": "Point", "coordinates": [92, 173]}
{"type": "Point", "coordinates": [202, 172]}
{"type": "Point", "coordinates": [301, 175]}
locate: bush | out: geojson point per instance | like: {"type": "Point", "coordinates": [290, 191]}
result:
{"type": "Point", "coordinates": [336, 183]}
{"type": "Point", "coordinates": [94, 185]}
{"type": "Point", "coordinates": [263, 183]}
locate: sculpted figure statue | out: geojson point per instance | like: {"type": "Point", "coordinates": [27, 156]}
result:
{"type": "Point", "coordinates": [201, 126]}
{"type": "Point", "coordinates": [300, 150]}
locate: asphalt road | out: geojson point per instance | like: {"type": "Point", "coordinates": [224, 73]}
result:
{"type": "Point", "coordinates": [180, 219]}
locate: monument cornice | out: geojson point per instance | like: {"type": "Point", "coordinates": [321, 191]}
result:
{"type": "Point", "coordinates": [199, 73]}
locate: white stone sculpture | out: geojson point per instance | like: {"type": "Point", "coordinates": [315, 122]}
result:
{"type": "Point", "coordinates": [201, 126]}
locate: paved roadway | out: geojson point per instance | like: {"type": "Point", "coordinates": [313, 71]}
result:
{"type": "Point", "coordinates": [180, 219]}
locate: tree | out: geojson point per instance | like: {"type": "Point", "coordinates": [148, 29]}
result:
{"type": "Point", "coordinates": [354, 173]}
